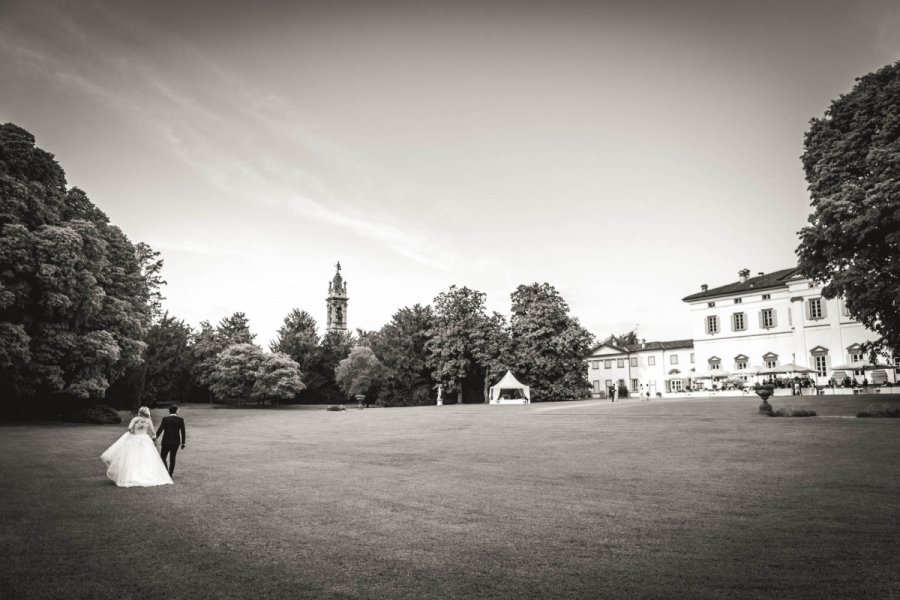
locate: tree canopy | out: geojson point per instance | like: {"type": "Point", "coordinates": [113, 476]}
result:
{"type": "Point", "coordinates": [463, 342]}
{"type": "Point", "coordinates": [852, 242]}
{"type": "Point", "coordinates": [401, 347]}
{"type": "Point", "coordinates": [74, 304]}
{"type": "Point", "coordinates": [548, 345]}
{"type": "Point", "coordinates": [360, 373]}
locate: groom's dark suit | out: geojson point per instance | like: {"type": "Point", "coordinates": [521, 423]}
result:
{"type": "Point", "coordinates": [174, 435]}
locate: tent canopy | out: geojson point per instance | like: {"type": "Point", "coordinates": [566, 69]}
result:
{"type": "Point", "coordinates": [508, 382]}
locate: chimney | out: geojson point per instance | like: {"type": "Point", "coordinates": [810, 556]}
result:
{"type": "Point", "coordinates": [643, 342]}
{"type": "Point", "coordinates": [703, 287]}
{"type": "Point", "coordinates": [760, 274]}
{"type": "Point", "coordinates": [744, 274]}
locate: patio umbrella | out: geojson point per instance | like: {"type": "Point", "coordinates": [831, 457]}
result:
{"type": "Point", "coordinates": [788, 368]}
{"type": "Point", "coordinates": [877, 366]}
{"type": "Point", "coordinates": [711, 374]}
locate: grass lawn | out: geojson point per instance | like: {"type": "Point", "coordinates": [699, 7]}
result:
{"type": "Point", "coordinates": [694, 498]}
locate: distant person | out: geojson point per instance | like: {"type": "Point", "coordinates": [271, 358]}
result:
{"type": "Point", "coordinates": [132, 460]}
{"type": "Point", "coordinates": [174, 436]}
{"type": "Point", "coordinates": [865, 384]}
{"type": "Point", "coordinates": [611, 390]}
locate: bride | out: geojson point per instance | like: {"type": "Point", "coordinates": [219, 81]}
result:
{"type": "Point", "coordinates": [133, 460]}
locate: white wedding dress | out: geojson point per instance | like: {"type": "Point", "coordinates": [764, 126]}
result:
{"type": "Point", "coordinates": [133, 460]}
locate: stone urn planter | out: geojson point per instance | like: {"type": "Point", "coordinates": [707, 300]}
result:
{"type": "Point", "coordinates": [765, 392]}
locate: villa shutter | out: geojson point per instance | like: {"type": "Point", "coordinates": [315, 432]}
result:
{"type": "Point", "coordinates": [823, 303]}
{"type": "Point", "coordinates": [762, 323]}
{"type": "Point", "coordinates": [808, 310]}
{"type": "Point", "coordinates": [774, 318]}
{"type": "Point", "coordinates": [706, 324]}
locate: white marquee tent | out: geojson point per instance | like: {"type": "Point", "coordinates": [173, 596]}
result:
{"type": "Point", "coordinates": [510, 386]}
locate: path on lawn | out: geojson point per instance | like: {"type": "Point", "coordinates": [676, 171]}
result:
{"type": "Point", "coordinates": [697, 498]}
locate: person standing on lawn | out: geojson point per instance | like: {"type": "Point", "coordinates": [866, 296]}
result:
{"type": "Point", "coordinates": [174, 436]}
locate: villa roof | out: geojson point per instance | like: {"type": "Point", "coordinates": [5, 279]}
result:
{"type": "Point", "coordinates": [668, 345]}
{"type": "Point", "coordinates": [766, 281]}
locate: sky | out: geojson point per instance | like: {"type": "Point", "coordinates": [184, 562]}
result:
{"type": "Point", "coordinates": [625, 152]}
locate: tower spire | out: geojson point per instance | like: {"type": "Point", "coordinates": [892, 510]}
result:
{"type": "Point", "coordinates": [336, 302]}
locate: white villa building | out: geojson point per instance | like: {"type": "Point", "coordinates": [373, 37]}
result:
{"type": "Point", "coordinates": [646, 367]}
{"type": "Point", "coordinates": [756, 323]}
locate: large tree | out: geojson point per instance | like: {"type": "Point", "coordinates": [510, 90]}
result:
{"type": "Point", "coordinates": [297, 337]}
{"type": "Point", "coordinates": [321, 386]}
{"type": "Point", "coordinates": [73, 301]}
{"type": "Point", "coordinates": [209, 342]}
{"type": "Point", "coordinates": [852, 243]}
{"type": "Point", "coordinates": [236, 371]}
{"type": "Point", "coordinates": [168, 361]}
{"type": "Point", "coordinates": [278, 379]}
{"type": "Point", "coordinates": [548, 344]}
{"type": "Point", "coordinates": [360, 373]}
{"type": "Point", "coordinates": [462, 343]}
{"type": "Point", "coordinates": [400, 345]}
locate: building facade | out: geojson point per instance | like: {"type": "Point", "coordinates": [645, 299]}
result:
{"type": "Point", "coordinates": [776, 319]}
{"type": "Point", "coordinates": [766, 322]}
{"type": "Point", "coordinates": [654, 367]}
{"type": "Point", "coordinates": [336, 302]}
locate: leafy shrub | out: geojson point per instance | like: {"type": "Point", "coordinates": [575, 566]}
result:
{"type": "Point", "coordinates": [794, 412]}
{"type": "Point", "coordinates": [99, 414]}
{"type": "Point", "coordinates": [882, 412]}
{"type": "Point", "coordinates": [336, 407]}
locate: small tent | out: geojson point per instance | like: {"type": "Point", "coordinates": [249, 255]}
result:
{"type": "Point", "coordinates": [509, 391]}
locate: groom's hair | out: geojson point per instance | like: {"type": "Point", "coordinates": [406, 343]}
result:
{"type": "Point", "coordinates": [173, 409]}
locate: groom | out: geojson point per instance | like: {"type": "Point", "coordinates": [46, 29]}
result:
{"type": "Point", "coordinates": [174, 435]}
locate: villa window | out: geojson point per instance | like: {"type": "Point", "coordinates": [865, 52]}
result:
{"type": "Point", "coordinates": [673, 360]}
{"type": "Point", "coordinates": [741, 364]}
{"type": "Point", "coordinates": [767, 296]}
{"type": "Point", "coordinates": [711, 304]}
{"type": "Point", "coordinates": [634, 385]}
{"type": "Point", "coordinates": [712, 324]}
{"type": "Point", "coordinates": [820, 366]}
{"type": "Point", "coordinates": [738, 300]}
{"type": "Point", "coordinates": [771, 364]}
{"type": "Point", "coordinates": [595, 364]}
{"type": "Point", "coordinates": [856, 357]}
{"type": "Point", "coordinates": [620, 363]}
{"type": "Point", "coordinates": [608, 383]}
{"type": "Point", "coordinates": [607, 364]}
{"type": "Point", "coordinates": [815, 308]}
{"type": "Point", "coordinates": [692, 358]}
{"type": "Point", "coordinates": [651, 361]}
{"type": "Point", "coordinates": [634, 361]}
{"type": "Point", "coordinates": [767, 318]}
{"type": "Point", "coordinates": [738, 322]}
{"type": "Point", "coordinates": [596, 386]}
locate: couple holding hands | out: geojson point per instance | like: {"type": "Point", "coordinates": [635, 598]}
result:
{"type": "Point", "coordinates": [133, 460]}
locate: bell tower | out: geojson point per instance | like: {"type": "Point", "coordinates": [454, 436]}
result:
{"type": "Point", "coordinates": [336, 302]}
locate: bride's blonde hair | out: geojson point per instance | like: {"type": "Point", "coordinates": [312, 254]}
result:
{"type": "Point", "coordinates": [144, 412]}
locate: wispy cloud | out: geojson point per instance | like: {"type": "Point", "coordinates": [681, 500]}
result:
{"type": "Point", "coordinates": [250, 145]}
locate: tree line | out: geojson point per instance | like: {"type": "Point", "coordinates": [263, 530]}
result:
{"type": "Point", "coordinates": [81, 321]}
